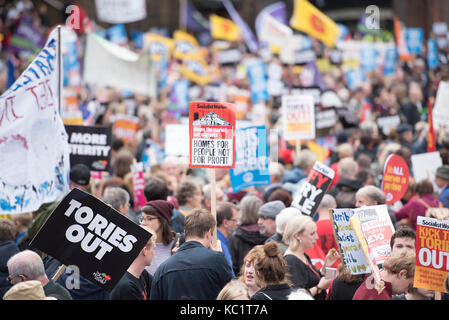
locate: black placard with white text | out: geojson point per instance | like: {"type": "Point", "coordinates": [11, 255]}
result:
{"type": "Point", "coordinates": [313, 189]}
{"type": "Point", "coordinates": [88, 233]}
{"type": "Point", "coordinates": [90, 145]}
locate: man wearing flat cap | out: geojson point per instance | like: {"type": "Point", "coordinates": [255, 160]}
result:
{"type": "Point", "coordinates": [442, 181]}
{"type": "Point", "coordinates": [267, 217]}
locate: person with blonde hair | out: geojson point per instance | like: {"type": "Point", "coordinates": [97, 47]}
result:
{"type": "Point", "coordinates": [234, 290]}
{"type": "Point", "coordinates": [301, 234]}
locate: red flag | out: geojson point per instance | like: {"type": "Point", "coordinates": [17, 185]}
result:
{"type": "Point", "coordinates": [431, 143]}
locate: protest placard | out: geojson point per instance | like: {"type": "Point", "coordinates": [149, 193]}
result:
{"type": "Point", "coordinates": [373, 228]}
{"type": "Point", "coordinates": [395, 178]}
{"type": "Point", "coordinates": [120, 11]}
{"type": "Point", "coordinates": [257, 75]}
{"type": "Point", "coordinates": [90, 145]}
{"type": "Point", "coordinates": [387, 123]}
{"type": "Point", "coordinates": [251, 158]}
{"type": "Point", "coordinates": [314, 91]}
{"type": "Point", "coordinates": [211, 135]}
{"type": "Point", "coordinates": [90, 234]}
{"type": "Point", "coordinates": [34, 168]}
{"type": "Point", "coordinates": [432, 254]}
{"type": "Point", "coordinates": [440, 108]}
{"type": "Point", "coordinates": [298, 115]}
{"type": "Point", "coordinates": [177, 139]}
{"type": "Point", "coordinates": [138, 185]}
{"type": "Point", "coordinates": [313, 189]}
{"type": "Point", "coordinates": [348, 244]}
{"type": "Point", "coordinates": [125, 127]}
{"type": "Point", "coordinates": [425, 165]}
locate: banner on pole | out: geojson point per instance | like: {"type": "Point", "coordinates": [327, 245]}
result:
{"type": "Point", "coordinates": [35, 166]}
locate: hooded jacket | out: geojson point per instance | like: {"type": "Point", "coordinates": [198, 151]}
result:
{"type": "Point", "coordinates": [241, 242]}
{"type": "Point", "coordinates": [344, 192]}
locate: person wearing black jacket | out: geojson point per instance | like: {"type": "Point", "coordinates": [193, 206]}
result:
{"type": "Point", "coordinates": [247, 234]}
{"type": "Point", "coordinates": [347, 186]}
{"type": "Point", "coordinates": [271, 273]}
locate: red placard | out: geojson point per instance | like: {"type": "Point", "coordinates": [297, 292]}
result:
{"type": "Point", "coordinates": [395, 178]}
{"type": "Point", "coordinates": [211, 135]}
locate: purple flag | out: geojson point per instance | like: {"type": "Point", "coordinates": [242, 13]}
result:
{"type": "Point", "coordinates": [195, 21]}
{"type": "Point", "coordinates": [26, 38]}
{"type": "Point", "coordinates": [276, 10]}
{"type": "Point", "coordinates": [248, 35]}
{"type": "Point", "coordinates": [316, 78]}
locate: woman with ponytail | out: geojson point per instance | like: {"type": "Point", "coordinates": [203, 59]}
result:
{"type": "Point", "coordinates": [270, 269]}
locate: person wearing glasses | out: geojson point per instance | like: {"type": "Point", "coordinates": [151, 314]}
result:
{"type": "Point", "coordinates": [156, 214]}
{"type": "Point", "coordinates": [28, 265]}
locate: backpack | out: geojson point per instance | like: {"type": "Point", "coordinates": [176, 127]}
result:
{"type": "Point", "coordinates": [439, 212]}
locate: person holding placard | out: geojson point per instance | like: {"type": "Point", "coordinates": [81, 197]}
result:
{"type": "Point", "coordinates": [300, 234]}
{"type": "Point", "coordinates": [396, 277]}
{"type": "Point", "coordinates": [136, 282]}
{"type": "Point", "coordinates": [372, 196]}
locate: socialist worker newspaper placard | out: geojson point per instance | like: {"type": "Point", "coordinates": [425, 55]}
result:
{"type": "Point", "coordinates": [432, 254]}
{"type": "Point", "coordinates": [211, 135]}
{"type": "Point", "coordinates": [88, 233]}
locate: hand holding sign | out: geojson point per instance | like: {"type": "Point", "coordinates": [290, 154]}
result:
{"type": "Point", "coordinates": [86, 232]}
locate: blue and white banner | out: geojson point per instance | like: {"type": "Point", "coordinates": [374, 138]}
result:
{"type": "Point", "coordinates": [432, 54]}
{"type": "Point", "coordinates": [34, 168]}
{"type": "Point", "coordinates": [251, 158]}
{"type": "Point", "coordinates": [390, 59]}
{"type": "Point", "coordinates": [354, 78]}
{"type": "Point", "coordinates": [414, 38]}
{"type": "Point", "coordinates": [368, 58]}
{"type": "Point", "coordinates": [258, 81]}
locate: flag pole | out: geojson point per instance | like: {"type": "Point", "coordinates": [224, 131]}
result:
{"type": "Point", "coordinates": [183, 15]}
{"type": "Point", "coordinates": [60, 83]}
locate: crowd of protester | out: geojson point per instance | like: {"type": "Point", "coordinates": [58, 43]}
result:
{"type": "Point", "coordinates": [263, 239]}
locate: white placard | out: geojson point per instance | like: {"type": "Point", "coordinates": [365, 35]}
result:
{"type": "Point", "coordinates": [121, 11]}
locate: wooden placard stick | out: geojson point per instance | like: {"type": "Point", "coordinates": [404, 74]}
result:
{"type": "Point", "coordinates": [213, 201]}
{"type": "Point", "coordinates": [58, 273]}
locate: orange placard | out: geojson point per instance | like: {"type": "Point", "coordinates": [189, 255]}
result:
{"type": "Point", "coordinates": [432, 254]}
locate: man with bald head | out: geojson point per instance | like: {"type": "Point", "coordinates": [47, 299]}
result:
{"type": "Point", "coordinates": [27, 265]}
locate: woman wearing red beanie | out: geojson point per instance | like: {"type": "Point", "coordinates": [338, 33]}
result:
{"type": "Point", "coordinates": [156, 215]}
